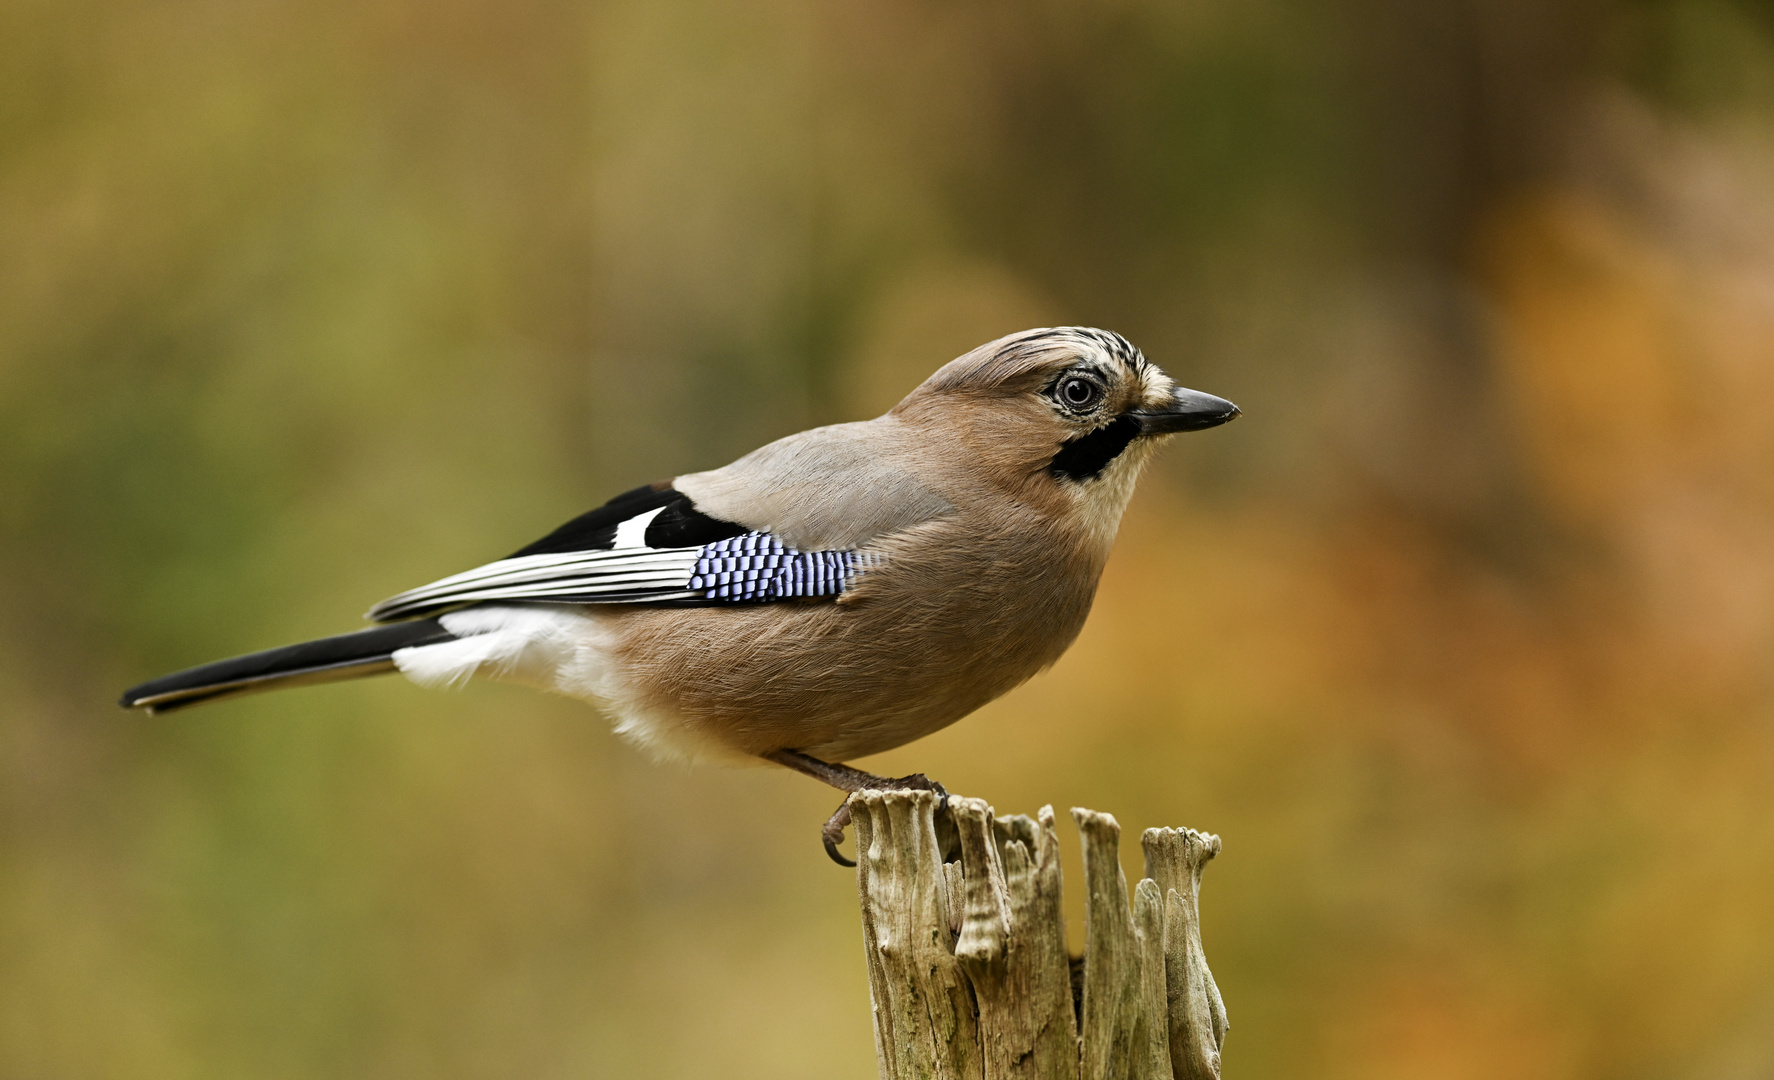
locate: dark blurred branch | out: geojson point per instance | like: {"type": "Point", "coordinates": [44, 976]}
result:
{"type": "Point", "coordinates": [968, 968]}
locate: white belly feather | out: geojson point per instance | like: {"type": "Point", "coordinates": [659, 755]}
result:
{"type": "Point", "coordinates": [564, 649]}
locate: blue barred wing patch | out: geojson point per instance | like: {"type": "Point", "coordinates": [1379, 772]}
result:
{"type": "Point", "coordinates": [756, 566]}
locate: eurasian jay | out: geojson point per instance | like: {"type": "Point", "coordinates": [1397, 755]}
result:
{"type": "Point", "coordinates": [835, 593]}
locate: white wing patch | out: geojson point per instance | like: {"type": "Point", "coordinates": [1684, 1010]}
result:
{"type": "Point", "coordinates": [633, 532]}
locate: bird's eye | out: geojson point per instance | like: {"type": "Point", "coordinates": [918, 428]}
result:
{"type": "Point", "coordinates": [1076, 393]}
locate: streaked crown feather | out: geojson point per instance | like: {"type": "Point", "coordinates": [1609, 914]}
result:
{"type": "Point", "coordinates": [1011, 359]}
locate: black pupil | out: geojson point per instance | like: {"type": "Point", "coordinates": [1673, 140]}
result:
{"type": "Point", "coordinates": [1078, 392]}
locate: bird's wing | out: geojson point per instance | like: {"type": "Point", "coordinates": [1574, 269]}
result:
{"type": "Point", "coordinates": [647, 546]}
{"type": "Point", "coordinates": [830, 488]}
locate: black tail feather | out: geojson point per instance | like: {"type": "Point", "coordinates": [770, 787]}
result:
{"type": "Point", "coordinates": [347, 656]}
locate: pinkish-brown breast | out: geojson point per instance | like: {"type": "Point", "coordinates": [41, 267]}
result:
{"type": "Point", "coordinates": [963, 610]}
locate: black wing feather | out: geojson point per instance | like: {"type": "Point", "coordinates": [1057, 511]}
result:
{"type": "Point", "coordinates": [679, 524]}
{"type": "Point", "coordinates": [595, 530]}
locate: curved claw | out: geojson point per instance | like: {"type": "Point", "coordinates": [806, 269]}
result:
{"type": "Point", "coordinates": [831, 848]}
{"type": "Point", "coordinates": [832, 833]}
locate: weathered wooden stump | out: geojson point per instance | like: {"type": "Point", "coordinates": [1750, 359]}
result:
{"type": "Point", "coordinates": [968, 968]}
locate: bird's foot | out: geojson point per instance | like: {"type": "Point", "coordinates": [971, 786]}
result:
{"type": "Point", "coordinates": [851, 780]}
{"type": "Point", "coordinates": [832, 833]}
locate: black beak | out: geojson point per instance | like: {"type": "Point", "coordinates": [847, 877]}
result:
{"type": "Point", "coordinates": [1189, 410]}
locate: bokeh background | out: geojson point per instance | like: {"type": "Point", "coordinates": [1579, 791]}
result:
{"type": "Point", "coordinates": [1463, 638]}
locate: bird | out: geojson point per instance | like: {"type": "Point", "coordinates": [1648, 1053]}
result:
{"type": "Point", "coordinates": [833, 594]}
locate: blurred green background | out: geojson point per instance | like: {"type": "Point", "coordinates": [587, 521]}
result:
{"type": "Point", "coordinates": [1463, 638]}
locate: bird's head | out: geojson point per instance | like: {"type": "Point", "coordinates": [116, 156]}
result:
{"type": "Point", "coordinates": [1066, 413]}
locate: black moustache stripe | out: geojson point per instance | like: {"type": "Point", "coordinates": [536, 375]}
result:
{"type": "Point", "coordinates": [1086, 456]}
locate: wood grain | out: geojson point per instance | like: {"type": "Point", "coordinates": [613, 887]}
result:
{"type": "Point", "coordinates": [969, 973]}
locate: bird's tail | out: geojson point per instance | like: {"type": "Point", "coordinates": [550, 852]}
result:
{"type": "Point", "coordinates": [348, 656]}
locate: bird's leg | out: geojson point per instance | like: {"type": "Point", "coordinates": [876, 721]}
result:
{"type": "Point", "coordinates": [849, 780]}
